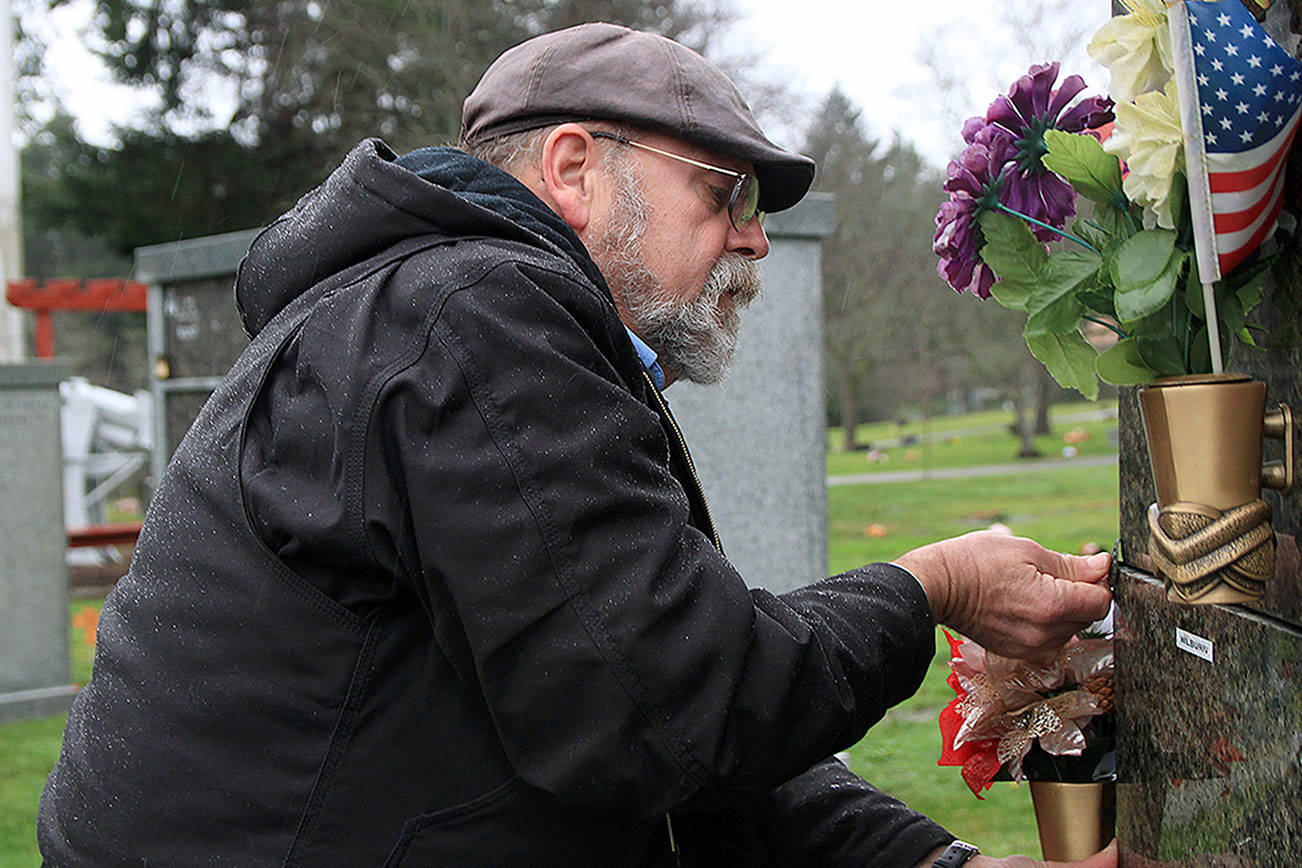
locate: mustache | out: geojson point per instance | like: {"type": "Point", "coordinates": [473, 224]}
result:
{"type": "Point", "coordinates": [734, 275]}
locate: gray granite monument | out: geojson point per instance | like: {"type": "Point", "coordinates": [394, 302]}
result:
{"type": "Point", "coordinates": [759, 438]}
{"type": "Point", "coordinates": [34, 667]}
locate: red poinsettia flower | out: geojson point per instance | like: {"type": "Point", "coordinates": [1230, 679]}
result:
{"type": "Point", "coordinates": [979, 759]}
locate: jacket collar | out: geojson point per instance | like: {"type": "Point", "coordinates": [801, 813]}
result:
{"type": "Point", "coordinates": [489, 187]}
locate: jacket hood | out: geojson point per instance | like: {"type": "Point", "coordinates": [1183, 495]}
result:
{"type": "Point", "coordinates": [375, 200]}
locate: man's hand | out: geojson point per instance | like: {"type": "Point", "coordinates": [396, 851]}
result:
{"type": "Point", "coordinates": [1105, 858]}
{"type": "Point", "coordinates": [1009, 594]}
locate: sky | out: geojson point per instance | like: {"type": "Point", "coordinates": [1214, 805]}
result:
{"type": "Point", "coordinates": [871, 48]}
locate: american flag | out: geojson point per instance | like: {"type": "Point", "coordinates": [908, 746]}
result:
{"type": "Point", "coordinates": [1239, 129]}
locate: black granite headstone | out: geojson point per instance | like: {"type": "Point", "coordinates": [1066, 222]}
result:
{"type": "Point", "coordinates": [1210, 697]}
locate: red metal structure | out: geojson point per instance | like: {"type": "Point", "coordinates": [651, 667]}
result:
{"type": "Point", "coordinates": [120, 533]}
{"type": "Point", "coordinates": [106, 294]}
{"type": "Point", "coordinates": [72, 294]}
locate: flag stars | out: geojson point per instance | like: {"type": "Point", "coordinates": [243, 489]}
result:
{"type": "Point", "coordinates": [1200, 50]}
{"type": "Point", "coordinates": [1293, 76]}
{"type": "Point", "coordinates": [1254, 62]}
{"type": "Point", "coordinates": [1226, 124]}
{"type": "Point", "coordinates": [1242, 108]}
{"type": "Point", "coordinates": [1210, 35]}
{"type": "Point", "coordinates": [1232, 50]}
{"type": "Point", "coordinates": [1211, 138]}
{"type": "Point", "coordinates": [1222, 94]}
{"type": "Point", "coordinates": [1237, 78]}
{"type": "Point", "coordinates": [1202, 79]}
{"type": "Point", "coordinates": [1224, 20]}
{"type": "Point", "coordinates": [1245, 136]}
{"type": "Point", "coordinates": [1263, 117]}
{"type": "Point", "coordinates": [1217, 65]}
{"type": "Point", "coordinates": [1246, 30]}
{"type": "Point", "coordinates": [1259, 90]}
{"type": "Point", "coordinates": [1277, 70]}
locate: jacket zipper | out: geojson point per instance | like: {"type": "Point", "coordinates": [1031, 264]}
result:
{"type": "Point", "coordinates": [687, 456]}
{"type": "Point", "coordinates": [714, 538]}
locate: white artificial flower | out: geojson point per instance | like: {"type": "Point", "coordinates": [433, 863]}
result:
{"type": "Point", "coordinates": [1136, 49]}
{"type": "Point", "coordinates": [1147, 139]}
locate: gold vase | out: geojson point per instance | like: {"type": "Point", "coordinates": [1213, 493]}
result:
{"type": "Point", "coordinates": [1210, 535]}
{"type": "Point", "coordinates": [1075, 821]}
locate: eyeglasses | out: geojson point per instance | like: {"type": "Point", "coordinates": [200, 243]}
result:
{"type": "Point", "coordinates": [743, 202]}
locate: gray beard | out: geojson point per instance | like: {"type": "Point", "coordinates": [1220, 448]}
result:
{"type": "Point", "coordinates": [693, 340]}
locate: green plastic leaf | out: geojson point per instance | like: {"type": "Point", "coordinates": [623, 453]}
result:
{"type": "Point", "coordinates": [1200, 355]}
{"type": "Point", "coordinates": [1179, 198]}
{"type": "Point", "coordinates": [1069, 359]}
{"type": "Point", "coordinates": [1246, 274]}
{"type": "Point", "coordinates": [1082, 162]}
{"type": "Point", "coordinates": [1012, 295]}
{"type": "Point", "coordinates": [1162, 352]}
{"type": "Point", "coordinates": [1123, 365]}
{"type": "Point", "coordinates": [1193, 294]}
{"type": "Point", "coordinates": [1052, 307]}
{"type": "Point", "coordinates": [1157, 323]}
{"type": "Point", "coordinates": [1056, 317]}
{"type": "Point", "coordinates": [1015, 255]}
{"type": "Point", "coordinates": [1248, 282]}
{"type": "Point", "coordinates": [1141, 259]}
{"type": "Point", "coordinates": [1098, 299]}
{"type": "Point", "coordinates": [1114, 221]}
{"type": "Point", "coordinates": [1091, 232]}
{"type": "Point", "coordinates": [1137, 302]}
{"type": "Point", "coordinates": [1229, 313]}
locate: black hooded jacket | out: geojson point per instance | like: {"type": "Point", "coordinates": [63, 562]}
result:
{"type": "Point", "coordinates": [431, 581]}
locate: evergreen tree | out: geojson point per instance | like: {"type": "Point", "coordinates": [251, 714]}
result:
{"type": "Point", "coordinates": [895, 336]}
{"type": "Point", "coordinates": [302, 82]}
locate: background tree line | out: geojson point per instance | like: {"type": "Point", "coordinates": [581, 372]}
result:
{"type": "Point", "coordinates": [303, 80]}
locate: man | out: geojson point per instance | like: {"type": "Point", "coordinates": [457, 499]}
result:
{"type": "Point", "coordinates": [431, 580]}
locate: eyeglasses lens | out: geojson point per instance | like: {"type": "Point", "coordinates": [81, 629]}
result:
{"type": "Point", "coordinates": [744, 204]}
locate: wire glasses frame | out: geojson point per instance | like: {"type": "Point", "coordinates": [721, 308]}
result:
{"type": "Point", "coordinates": [743, 201]}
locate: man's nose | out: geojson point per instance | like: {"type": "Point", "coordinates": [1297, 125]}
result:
{"type": "Point", "coordinates": [750, 240]}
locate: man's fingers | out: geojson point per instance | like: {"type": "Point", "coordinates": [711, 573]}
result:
{"type": "Point", "coordinates": [1079, 568]}
{"type": "Point", "coordinates": [1083, 602]}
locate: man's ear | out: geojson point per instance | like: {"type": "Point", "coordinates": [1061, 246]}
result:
{"type": "Point", "coordinates": [572, 175]}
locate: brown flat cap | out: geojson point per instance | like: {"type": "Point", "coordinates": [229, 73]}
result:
{"type": "Point", "coordinates": [608, 72]}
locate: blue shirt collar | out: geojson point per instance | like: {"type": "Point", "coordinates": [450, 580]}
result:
{"type": "Point", "coordinates": [648, 358]}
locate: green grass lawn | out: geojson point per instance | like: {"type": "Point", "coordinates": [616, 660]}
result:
{"type": "Point", "coordinates": [28, 749]}
{"type": "Point", "coordinates": [972, 439]}
{"type": "Point", "coordinates": [1064, 508]}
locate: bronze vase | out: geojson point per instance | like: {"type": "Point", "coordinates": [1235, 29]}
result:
{"type": "Point", "coordinates": [1075, 821]}
{"type": "Point", "coordinates": [1210, 535]}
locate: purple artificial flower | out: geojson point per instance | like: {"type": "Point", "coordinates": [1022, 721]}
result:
{"type": "Point", "coordinates": [1031, 107]}
{"type": "Point", "coordinates": [973, 183]}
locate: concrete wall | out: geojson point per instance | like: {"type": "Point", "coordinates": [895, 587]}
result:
{"type": "Point", "coordinates": [34, 668]}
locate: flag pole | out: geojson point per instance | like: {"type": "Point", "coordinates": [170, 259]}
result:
{"type": "Point", "coordinates": [1200, 193]}
{"type": "Point", "coordinates": [1213, 328]}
